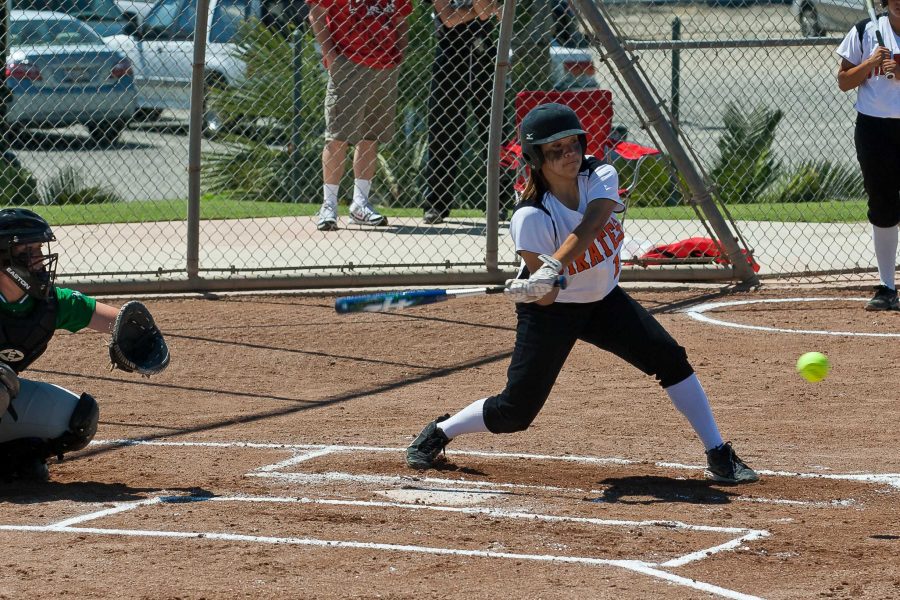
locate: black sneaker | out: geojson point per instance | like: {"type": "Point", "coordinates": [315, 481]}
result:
{"type": "Point", "coordinates": [725, 466]}
{"type": "Point", "coordinates": [434, 216]}
{"type": "Point", "coordinates": [885, 299]}
{"type": "Point", "coordinates": [32, 469]}
{"type": "Point", "coordinates": [425, 448]}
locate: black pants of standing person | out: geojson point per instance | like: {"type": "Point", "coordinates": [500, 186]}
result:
{"type": "Point", "coordinates": [461, 84]}
{"type": "Point", "coordinates": [878, 151]}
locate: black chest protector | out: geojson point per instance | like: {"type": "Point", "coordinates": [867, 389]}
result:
{"type": "Point", "coordinates": [23, 338]}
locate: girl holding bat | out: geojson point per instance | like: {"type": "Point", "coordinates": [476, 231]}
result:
{"type": "Point", "coordinates": [566, 223]}
{"type": "Point", "coordinates": [870, 53]}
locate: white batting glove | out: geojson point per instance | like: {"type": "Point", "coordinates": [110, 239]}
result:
{"type": "Point", "coordinates": [538, 285]}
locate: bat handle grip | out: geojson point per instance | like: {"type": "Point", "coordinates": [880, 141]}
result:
{"type": "Point", "coordinates": [561, 282]}
{"type": "Point", "coordinates": [881, 43]}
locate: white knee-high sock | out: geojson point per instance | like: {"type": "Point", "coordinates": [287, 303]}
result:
{"type": "Point", "coordinates": [361, 188]}
{"type": "Point", "coordinates": [468, 420]}
{"type": "Point", "coordinates": [330, 194]}
{"type": "Point", "coordinates": [691, 401]}
{"type": "Point", "coordinates": [885, 242]}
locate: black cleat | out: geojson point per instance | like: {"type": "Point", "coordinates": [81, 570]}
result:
{"type": "Point", "coordinates": [885, 299]}
{"type": "Point", "coordinates": [31, 469]}
{"type": "Point", "coordinates": [725, 466]}
{"type": "Point", "coordinates": [421, 453]}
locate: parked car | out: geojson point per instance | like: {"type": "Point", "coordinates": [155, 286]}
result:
{"type": "Point", "coordinates": [162, 50]}
{"type": "Point", "coordinates": [104, 16]}
{"type": "Point", "coordinates": [59, 72]}
{"type": "Point", "coordinates": [817, 17]}
{"type": "Point", "coordinates": [135, 11]}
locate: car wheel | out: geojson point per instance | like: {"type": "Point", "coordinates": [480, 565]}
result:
{"type": "Point", "coordinates": [214, 122]}
{"type": "Point", "coordinates": [809, 23]}
{"type": "Point", "coordinates": [147, 115]}
{"type": "Point", "coordinates": [106, 133]}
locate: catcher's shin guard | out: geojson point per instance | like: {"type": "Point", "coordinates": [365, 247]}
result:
{"type": "Point", "coordinates": [82, 427]}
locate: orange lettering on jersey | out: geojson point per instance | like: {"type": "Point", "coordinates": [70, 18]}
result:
{"type": "Point", "coordinates": [596, 256]}
{"type": "Point", "coordinates": [602, 239]}
{"type": "Point", "coordinates": [581, 264]}
{"type": "Point", "coordinates": [571, 269]}
{"type": "Point", "coordinates": [618, 266]}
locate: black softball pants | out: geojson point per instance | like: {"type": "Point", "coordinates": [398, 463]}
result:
{"type": "Point", "coordinates": [878, 151]}
{"type": "Point", "coordinates": [461, 84]}
{"type": "Point", "coordinates": [546, 334]}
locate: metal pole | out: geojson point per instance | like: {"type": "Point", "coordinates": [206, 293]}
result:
{"type": "Point", "coordinates": [195, 133]}
{"type": "Point", "coordinates": [498, 99]}
{"type": "Point", "coordinates": [676, 72]}
{"type": "Point", "coordinates": [4, 91]}
{"type": "Point", "coordinates": [668, 137]}
{"type": "Point", "coordinates": [297, 120]}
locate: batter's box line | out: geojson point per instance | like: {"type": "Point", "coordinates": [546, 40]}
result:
{"type": "Point", "coordinates": [638, 566]}
{"type": "Point", "coordinates": [312, 450]}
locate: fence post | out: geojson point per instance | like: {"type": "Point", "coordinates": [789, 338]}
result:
{"type": "Point", "coordinates": [297, 115]}
{"type": "Point", "coordinates": [195, 132]}
{"type": "Point", "coordinates": [676, 72]}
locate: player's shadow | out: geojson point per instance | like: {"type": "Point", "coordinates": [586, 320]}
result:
{"type": "Point", "coordinates": [25, 492]}
{"type": "Point", "coordinates": [445, 466]}
{"type": "Point", "coordinates": [646, 489]}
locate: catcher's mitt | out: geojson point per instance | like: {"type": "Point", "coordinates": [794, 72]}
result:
{"type": "Point", "coordinates": [137, 344]}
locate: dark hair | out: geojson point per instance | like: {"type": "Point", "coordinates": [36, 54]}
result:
{"type": "Point", "coordinates": [535, 187]}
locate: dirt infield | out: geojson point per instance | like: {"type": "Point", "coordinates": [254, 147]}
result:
{"type": "Point", "coordinates": [266, 462]}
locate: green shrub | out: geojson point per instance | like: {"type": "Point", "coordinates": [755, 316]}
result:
{"type": "Point", "coordinates": [68, 186]}
{"type": "Point", "coordinates": [18, 187]}
{"type": "Point", "coordinates": [817, 181]}
{"type": "Point", "coordinates": [745, 165]}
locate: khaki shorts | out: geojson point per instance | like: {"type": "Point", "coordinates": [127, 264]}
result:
{"type": "Point", "coordinates": [360, 102]}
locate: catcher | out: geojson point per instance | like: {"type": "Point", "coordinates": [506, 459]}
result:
{"type": "Point", "coordinates": [39, 420]}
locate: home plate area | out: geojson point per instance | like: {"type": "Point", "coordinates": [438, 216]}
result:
{"type": "Point", "coordinates": [660, 521]}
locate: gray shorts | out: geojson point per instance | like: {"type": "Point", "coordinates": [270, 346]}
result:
{"type": "Point", "coordinates": [360, 102]}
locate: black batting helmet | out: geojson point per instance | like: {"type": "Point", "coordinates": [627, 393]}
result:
{"type": "Point", "coordinates": [19, 226]}
{"type": "Point", "coordinates": [544, 124]}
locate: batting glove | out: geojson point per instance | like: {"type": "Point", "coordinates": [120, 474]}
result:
{"type": "Point", "coordinates": [538, 285]}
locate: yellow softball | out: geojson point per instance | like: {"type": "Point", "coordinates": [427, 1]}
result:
{"type": "Point", "coordinates": [813, 366]}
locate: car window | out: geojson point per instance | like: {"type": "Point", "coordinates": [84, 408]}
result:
{"type": "Point", "coordinates": [171, 20]}
{"type": "Point", "coordinates": [227, 20]}
{"type": "Point", "coordinates": [52, 32]}
{"type": "Point", "coordinates": [82, 9]}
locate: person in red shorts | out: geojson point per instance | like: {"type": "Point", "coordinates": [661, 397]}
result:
{"type": "Point", "coordinates": [362, 43]}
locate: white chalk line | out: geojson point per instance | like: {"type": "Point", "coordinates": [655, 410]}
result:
{"type": "Point", "coordinates": [697, 313]}
{"type": "Point", "coordinates": [891, 479]}
{"type": "Point", "coordinates": [637, 566]}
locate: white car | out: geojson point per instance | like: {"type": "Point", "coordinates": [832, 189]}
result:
{"type": "Point", "coordinates": [817, 17]}
{"type": "Point", "coordinates": [162, 50]}
{"type": "Point", "coordinates": [134, 10]}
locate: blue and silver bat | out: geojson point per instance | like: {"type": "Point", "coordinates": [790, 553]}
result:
{"type": "Point", "coordinates": [404, 299]}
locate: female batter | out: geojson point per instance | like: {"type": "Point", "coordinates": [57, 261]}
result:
{"type": "Point", "coordinates": [566, 220]}
{"type": "Point", "coordinates": [874, 70]}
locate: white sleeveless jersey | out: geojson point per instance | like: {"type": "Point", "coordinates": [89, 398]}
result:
{"type": "Point", "coordinates": [594, 275]}
{"type": "Point", "coordinates": [878, 96]}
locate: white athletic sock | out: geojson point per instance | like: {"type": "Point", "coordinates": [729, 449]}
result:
{"type": "Point", "coordinates": [468, 420]}
{"type": "Point", "coordinates": [330, 194]}
{"type": "Point", "coordinates": [361, 189]}
{"type": "Point", "coordinates": [691, 401]}
{"type": "Point", "coordinates": [885, 241]}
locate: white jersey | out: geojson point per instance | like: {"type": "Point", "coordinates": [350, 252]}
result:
{"type": "Point", "coordinates": [878, 96]}
{"type": "Point", "coordinates": [594, 275]}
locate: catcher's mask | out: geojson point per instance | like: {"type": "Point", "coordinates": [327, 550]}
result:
{"type": "Point", "coordinates": [544, 124]}
{"type": "Point", "coordinates": [22, 236]}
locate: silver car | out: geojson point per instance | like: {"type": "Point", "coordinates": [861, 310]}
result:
{"type": "Point", "coordinates": [818, 17]}
{"type": "Point", "coordinates": [59, 72]}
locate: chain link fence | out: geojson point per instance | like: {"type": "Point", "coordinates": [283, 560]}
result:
{"type": "Point", "coordinates": [96, 130]}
